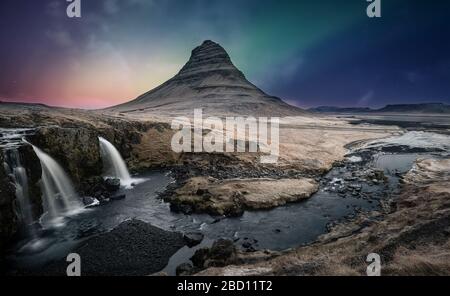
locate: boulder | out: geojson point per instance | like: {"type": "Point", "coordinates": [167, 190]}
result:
{"type": "Point", "coordinates": [193, 238]}
{"type": "Point", "coordinates": [89, 201]}
{"type": "Point", "coordinates": [112, 184]}
{"type": "Point", "coordinates": [118, 197]}
{"type": "Point", "coordinates": [222, 253]}
{"type": "Point", "coordinates": [184, 269]}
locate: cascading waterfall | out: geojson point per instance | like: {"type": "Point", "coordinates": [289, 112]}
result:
{"type": "Point", "coordinates": [59, 197]}
{"type": "Point", "coordinates": [18, 174]}
{"type": "Point", "coordinates": [10, 142]}
{"type": "Point", "coordinates": [114, 162]}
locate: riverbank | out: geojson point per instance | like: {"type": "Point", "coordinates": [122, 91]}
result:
{"type": "Point", "coordinates": [411, 235]}
{"type": "Point", "coordinates": [317, 193]}
{"type": "Point", "coordinates": [134, 248]}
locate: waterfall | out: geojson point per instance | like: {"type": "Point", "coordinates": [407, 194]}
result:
{"type": "Point", "coordinates": [114, 163]}
{"type": "Point", "coordinates": [59, 197]}
{"type": "Point", "coordinates": [18, 174]}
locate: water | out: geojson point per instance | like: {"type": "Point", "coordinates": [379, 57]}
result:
{"type": "Point", "coordinates": [278, 229]}
{"type": "Point", "coordinates": [19, 176]}
{"type": "Point", "coordinates": [115, 165]}
{"type": "Point", "coordinates": [414, 140]}
{"type": "Point", "coordinates": [59, 196]}
{"type": "Point", "coordinates": [10, 141]}
{"type": "Point", "coordinates": [56, 242]}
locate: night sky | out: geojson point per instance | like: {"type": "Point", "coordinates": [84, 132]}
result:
{"type": "Point", "coordinates": [309, 53]}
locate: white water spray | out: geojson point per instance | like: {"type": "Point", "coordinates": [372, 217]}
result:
{"type": "Point", "coordinates": [19, 176]}
{"type": "Point", "coordinates": [59, 197]}
{"type": "Point", "coordinates": [115, 164]}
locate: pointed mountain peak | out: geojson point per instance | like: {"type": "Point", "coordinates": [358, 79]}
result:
{"type": "Point", "coordinates": [209, 56]}
{"type": "Point", "coordinates": [209, 46]}
{"type": "Point", "coordinates": [209, 81]}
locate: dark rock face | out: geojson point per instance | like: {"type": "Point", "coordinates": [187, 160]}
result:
{"type": "Point", "coordinates": [184, 269]}
{"type": "Point", "coordinates": [222, 253]}
{"type": "Point", "coordinates": [8, 218]}
{"type": "Point", "coordinates": [88, 200]}
{"type": "Point", "coordinates": [193, 238]}
{"type": "Point", "coordinates": [76, 150]}
{"type": "Point", "coordinates": [101, 189]}
{"type": "Point", "coordinates": [210, 81]}
{"type": "Point", "coordinates": [112, 184]}
{"type": "Point", "coordinates": [134, 248]}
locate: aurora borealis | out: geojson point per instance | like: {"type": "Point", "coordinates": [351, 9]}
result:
{"type": "Point", "coordinates": [309, 53]}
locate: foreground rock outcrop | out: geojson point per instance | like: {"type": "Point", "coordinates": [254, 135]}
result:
{"type": "Point", "coordinates": [232, 196]}
{"type": "Point", "coordinates": [134, 248]}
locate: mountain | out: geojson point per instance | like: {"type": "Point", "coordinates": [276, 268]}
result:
{"type": "Point", "coordinates": [426, 108]}
{"type": "Point", "coordinates": [24, 105]}
{"type": "Point", "coordinates": [332, 109]}
{"type": "Point", "coordinates": [417, 108]}
{"type": "Point", "coordinates": [210, 81]}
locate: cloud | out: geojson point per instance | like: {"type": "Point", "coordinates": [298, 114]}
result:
{"type": "Point", "coordinates": [55, 9]}
{"type": "Point", "coordinates": [281, 72]}
{"type": "Point", "coordinates": [60, 37]}
{"type": "Point", "coordinates": [111, 6]}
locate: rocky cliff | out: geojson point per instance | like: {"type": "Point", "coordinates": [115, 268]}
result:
{"type": "Point", "coordinates": [8, 219]}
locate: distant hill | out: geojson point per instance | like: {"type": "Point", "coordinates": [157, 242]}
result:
{"type": "Point", "coordinates": [417, 108]}
{"type": "Point", "coordinates": [210, 81]}
{"type": "Point", "coordinates": [25, 105]}
{"type": "Point", "coordinates": [426, 108]}
{"type": "Point", "coordinates": [331, 109]}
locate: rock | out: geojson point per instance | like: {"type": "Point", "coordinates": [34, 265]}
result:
{"type": "Point", "coordinates": [118, 197]}
{"type": "Point", "coordinates": [134, 248]}
{"type": "Point", "coordinates": [200, 256]}
{"type": "Point", "coordinates": [227, 198]}
{"type": "Point", "coordinates": [76, 149]}
{"type": "Point", "coordinates": [184, 269]}
{"type": "Point", "coordinates": [112, 184]}
{"type": "Point", "coordinates": [193, 238]}
{"type": "Point", "coordinates": [8, 219]}
{"type": "Point", "coordinates": [200, 191]}
{"type": "Point", "coordinates": [89, 201]}
{"type": "Point", "coordinates": [181, 208]}
{"type": "Point", "coordinates": [222, 253]}
{"type": "Point", "coordinates": [249, 245]}
{"type": "Point", "coordinates": [104, 201]}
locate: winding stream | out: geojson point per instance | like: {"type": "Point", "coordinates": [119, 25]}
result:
{"type": "Point", "coordinates": [344, 191]}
